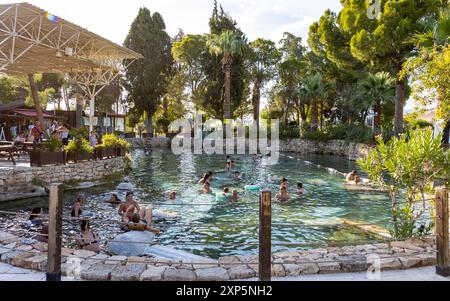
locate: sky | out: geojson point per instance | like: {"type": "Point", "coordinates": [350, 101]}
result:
{"type": "Point", "coordinates": [257, 18]}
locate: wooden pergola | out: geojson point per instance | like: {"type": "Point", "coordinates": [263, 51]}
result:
{"type": "Point", "coordinates": [33, 40]}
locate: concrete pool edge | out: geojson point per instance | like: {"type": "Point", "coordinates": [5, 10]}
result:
{"type": "Point", "coordinates": [86, 265]}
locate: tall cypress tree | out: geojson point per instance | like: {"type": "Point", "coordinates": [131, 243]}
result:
{"type": "Point", "coordinates": [147, 79]}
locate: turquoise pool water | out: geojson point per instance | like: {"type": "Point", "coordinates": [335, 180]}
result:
{"type": "Point", "coordinates": [319, 214]}
{"type": "Point", "coordinates": [211, 228]}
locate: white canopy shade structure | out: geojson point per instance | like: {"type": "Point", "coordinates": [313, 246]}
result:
{"type": "Point", "coordinates": [33, 40]}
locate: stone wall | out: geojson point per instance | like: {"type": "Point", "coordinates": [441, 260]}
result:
{"type": "Point", "coordinates": [352, 151]}
{"type": "Point", "coordinates": [88, 265]}
{"type": "Point", "coordinates": [84, 171]}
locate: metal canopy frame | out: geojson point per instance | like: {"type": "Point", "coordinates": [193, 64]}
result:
{"type": "Point", "coordinates": [35, 41]}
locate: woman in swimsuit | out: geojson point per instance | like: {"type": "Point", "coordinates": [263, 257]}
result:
{"type": "Point", "coordinates": [127, 209]}
{"type": "Point", "coordinates": [87, 239]}
{"type": "Point", "coordinates": [76, 207]}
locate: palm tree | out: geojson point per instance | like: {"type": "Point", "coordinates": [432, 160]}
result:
{"type": "Point", "coordinates": [377, 88]}
{"type": "Point", "coordinates": [435, 34]}
{"type": "Point", "coordinates": [228, 45]}
{"type": "Point", "coordinates": [316, 91]}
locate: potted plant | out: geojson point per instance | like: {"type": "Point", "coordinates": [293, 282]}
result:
{"type": "Point", "coordinates": [50, 152]}
{"type": "Point", "coordinates": [79, 149]}
{"type": "Point", "coordinates": [107, 149]}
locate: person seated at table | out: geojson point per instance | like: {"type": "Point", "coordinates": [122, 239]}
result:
{"type": "Point", "coordinates": [136, 224]}
{"type": "Point", "coordinates": [114, 200]}
{"type": "Point", "coordinates": [21, 138]}
{"type": "Point", "coordinates": [55, 135]}
{"type": "Point", "coordinates": [76, 207]}
{"type": "Point", "coordinates": [37, 133]}
{"type": "Point", "coordinates": [87, 239]}
{"type": "Point", "coordinates": [283, 196]}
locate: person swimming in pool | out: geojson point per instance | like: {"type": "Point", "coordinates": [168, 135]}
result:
{"type": "Point", "coordinates": [76, 207]}
{"type": "Point", "coordinates": [206, 178]}
{"type": "Point", "coordinates": [234, 197]}
{"type": "Point", "coordinates": [283, 197]}
{"type": "Point", "coordinates": [284, 184]}
{"type": "Point", "coordinates": [172, 195]}
{"type": "Point", "coordinates": [353, 178]}
{"type": "Point", "coordinates": [233, 164]}
{"type": "Point", "coordinates": [301, 189]}
{"type": "Point", "coordinates": [228, 167]}
{"type": "Point", "coordinates": [237, 175]}
{"type": "Point", "coordinates": [207, 188]}
{"type": "Point", "coordinates": [114, 200]}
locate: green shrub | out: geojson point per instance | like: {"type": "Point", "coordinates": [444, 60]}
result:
{"type": "Point", "coordinates": [347, 132]}
{"type": "Point", "coordinates": [289, 132]}
{"type": "Point", "coordinates": [418, 124]}
{"type": "Point", "coordinates": [79, 145]}
{"type": "Point", "coordinates": [52, 144]}
{"type": "Point", "coordinates": [409, 164]}
{"type": "Point", "coordinates": [82, 132]}
{"type": "Point", "coordinates": [111, 140]}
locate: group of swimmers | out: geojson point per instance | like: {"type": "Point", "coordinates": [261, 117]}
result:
{"type": "Point", "coordinates": [283, 196]}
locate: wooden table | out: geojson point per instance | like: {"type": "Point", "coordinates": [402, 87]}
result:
{"type": "Point", "coordinates": [10, 149]}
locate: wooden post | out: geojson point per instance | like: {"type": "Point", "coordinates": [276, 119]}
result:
{"type": "Point", "coordinates": [442, 266]}
{"type": "Point", "coordinates": [55, 232]}
{"type": "Point", "coordinates": [265, 236]}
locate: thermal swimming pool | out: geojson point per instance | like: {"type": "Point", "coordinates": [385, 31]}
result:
{"type": "Point", "coordinates": [212, 228]}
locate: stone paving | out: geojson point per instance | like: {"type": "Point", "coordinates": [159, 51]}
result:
{"type": "Point", "coordinates": [87, 265]}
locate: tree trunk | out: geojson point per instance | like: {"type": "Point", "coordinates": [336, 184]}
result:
{"type": "Point", "coordinates": [79, 113]}
{"type": "Point", "coordinates": [166, 115]}
{"type": "Point", "coordinates": [227, 104]}
{"type": "Point", "coordinates": [314, 116]}
{"type": "Point", "coordinates": [378, 111]}
{"type": "Point", "coordinates": [256, 100]}
{"type": "Point", "coordinates": [36, 99]}
{"type": "Point", "coordinates": [399, 106]}
{"type": "Point", "coordinates": [150, 124]}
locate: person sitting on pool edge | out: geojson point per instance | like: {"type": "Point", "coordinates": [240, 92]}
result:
{"type": "Point", "coordinates": [353, 178]}
{"type": "Point", "coordinates": [301, 189]}
{"type": "Point", "coordinates": [114, 200]}
{"type": "Point", "coordinates": [87, 239]}
{"type": "Point", "coordinates": [136, 224]}
{"type": "Point", "coordinates": [123, 208]}
{"type": "Point", "coordinates": [283, 196]}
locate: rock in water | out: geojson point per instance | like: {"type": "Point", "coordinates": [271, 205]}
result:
{"type": "Point", "coordinates": [132, 243]}
{"type": "Point", "coordinates": [160, 215]}
{"type": "Point", "coordinates": [126, 186]}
